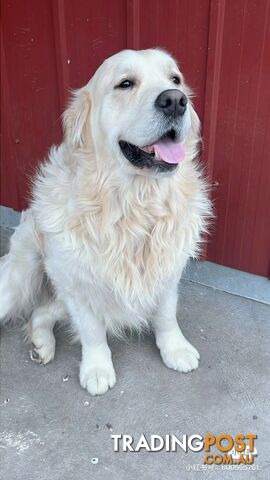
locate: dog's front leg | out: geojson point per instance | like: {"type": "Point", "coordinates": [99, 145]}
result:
{"type": "Point", "coordinates": [97, 373]}
{"type": "Point", "coordinates": [176, 352]}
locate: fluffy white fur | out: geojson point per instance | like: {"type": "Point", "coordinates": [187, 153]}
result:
{"type": "Point", "coordinates": [103, 242]}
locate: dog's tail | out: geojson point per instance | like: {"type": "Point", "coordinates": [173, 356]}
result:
{"type": "Point", "coordinates": [21, 271]}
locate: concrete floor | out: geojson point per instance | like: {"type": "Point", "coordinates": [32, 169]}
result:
{"type": "Point", "coordinates": [51, 428]}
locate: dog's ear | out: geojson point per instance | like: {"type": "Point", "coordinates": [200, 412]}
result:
{"type": "Point", "coordinates": [76, 122]}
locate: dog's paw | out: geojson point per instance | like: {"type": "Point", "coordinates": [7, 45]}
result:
{"type": "Point", "coordinates": [183, 358]}
{"type": "Point", "coordinates": [97, 379]}
{"type": "Point", "coordinates": [43, 345]}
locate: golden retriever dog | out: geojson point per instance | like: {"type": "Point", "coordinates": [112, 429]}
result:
{"type": "Point", "coordinates": [117, 210]}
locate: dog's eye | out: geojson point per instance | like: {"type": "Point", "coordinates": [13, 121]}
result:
{"type": "Point", "coordinates": [125, 84]}
{"type": "Point", "coordinates": [176, 80]}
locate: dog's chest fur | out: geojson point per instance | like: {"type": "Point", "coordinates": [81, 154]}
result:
{"type": "Point", "coordinates": [128, 239]}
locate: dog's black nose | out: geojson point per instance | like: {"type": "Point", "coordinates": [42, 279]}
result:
{"type": "Point", "coordinates": [172, 102]}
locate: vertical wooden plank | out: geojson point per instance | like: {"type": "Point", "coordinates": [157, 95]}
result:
{"type": "Point", "coordinates": [133, 24]}
{"type": "Point", "coordinates": [9, 187]}
{"type": "Point", "coordinates": [61, 51]}
{"type": "Point", "coordinates": [182, 30]}
{"type": "Point", "coordinates": [214, 58]}
{"type": "Point", "coordinates": [238, 152]}
{"type": "Point", "coordinates": [94, 31]}
{"type": "Point", "coordinates": [33, 105]}
{"type": "Point", "coordinates": [214, 53]}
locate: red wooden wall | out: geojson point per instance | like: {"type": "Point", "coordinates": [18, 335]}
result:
{"type": "Point", "coordinates": [222, 46]}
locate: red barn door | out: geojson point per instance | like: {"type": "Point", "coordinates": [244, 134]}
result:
{"type": "Point", "coordinates": [223, 49]}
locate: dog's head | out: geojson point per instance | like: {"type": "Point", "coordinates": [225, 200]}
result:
{"type": "Point", "coordinates": [135, 111]}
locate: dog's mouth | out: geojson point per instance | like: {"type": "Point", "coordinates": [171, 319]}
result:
{"type": "Point", "coordinates": [163, 155]}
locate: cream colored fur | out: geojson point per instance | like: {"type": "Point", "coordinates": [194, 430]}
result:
{"type": "Point", "coordinates": [113, 240]}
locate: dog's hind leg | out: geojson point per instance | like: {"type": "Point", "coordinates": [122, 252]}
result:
{"type": "Point", "coordinates": [21, 271]}
{"type": "Point", "coordinates": [40, 330]}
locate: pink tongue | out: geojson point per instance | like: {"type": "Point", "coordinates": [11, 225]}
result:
{"type": "Point", "coordinates": [169, 152]}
